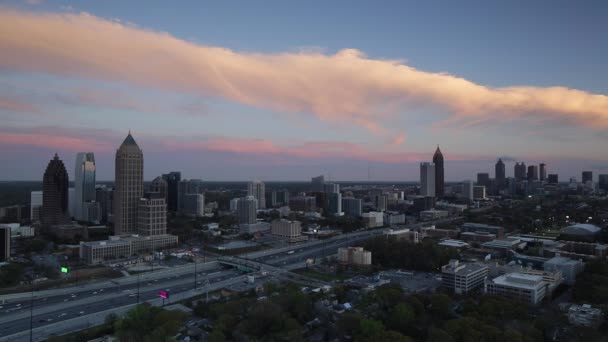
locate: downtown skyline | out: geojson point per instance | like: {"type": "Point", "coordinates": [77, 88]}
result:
{"type": "Point", "coordinates": [323, 99]}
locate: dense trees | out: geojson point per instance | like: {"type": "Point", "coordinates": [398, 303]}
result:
{"type": "Point", "coordinates": [391, 252]}
{"type": "Point", "coordinates": [148, 323]}
{"type": "Point", "coordinates": [592, 284]}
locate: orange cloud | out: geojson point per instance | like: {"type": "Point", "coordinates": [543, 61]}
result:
{"type": "Point", "coordinates": [346, 87]}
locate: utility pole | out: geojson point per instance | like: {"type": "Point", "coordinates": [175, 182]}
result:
{"type": "Point", "coordinates": [32, 312]}
{"type": "Point", "coordinates": [195, 272]}
{"type": "Point", "coordinates": [138, 288]}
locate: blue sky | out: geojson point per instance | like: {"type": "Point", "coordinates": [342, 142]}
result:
{"type": "Point", "coordinates": [297, 120]}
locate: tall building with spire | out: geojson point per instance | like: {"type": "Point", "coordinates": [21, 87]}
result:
{"type": "Point", "coordinates": [55, 194]}
{"type": "Point", "coordinates": [499, 171]}
{"type": "Point", "coordinates": [439, 180]}
{"type": "Point", "coordinates": [84, 184]}
{"type": "Point", "coordinates": [129, 179]}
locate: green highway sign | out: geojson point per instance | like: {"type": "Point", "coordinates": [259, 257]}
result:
{"type": "Point", "coordinates": [64, 270]}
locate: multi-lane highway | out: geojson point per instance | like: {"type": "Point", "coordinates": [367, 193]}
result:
{"type": "Point", "coordinates": [83, 303]}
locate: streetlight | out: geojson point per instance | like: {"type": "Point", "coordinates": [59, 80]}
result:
{"type": "Point", "coordinates": [32, 312]}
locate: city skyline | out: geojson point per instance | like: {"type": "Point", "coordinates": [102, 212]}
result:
{"type": "Point", "coordinates": [318, 100]}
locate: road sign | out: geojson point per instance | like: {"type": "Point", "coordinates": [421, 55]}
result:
{"type": "Point", "coordinates": [65, 270]}
{"type": "Point", "coordinates": [163, 294]}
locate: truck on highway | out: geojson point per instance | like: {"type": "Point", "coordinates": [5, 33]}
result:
{"type": "Point", "coordinates": [290, 252]}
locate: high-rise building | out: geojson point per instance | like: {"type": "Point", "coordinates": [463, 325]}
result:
{"type": "Point", "coordinates": [172, 179]}
{"type": "Point", "coordinates": [603, 182]}
{"type": "Point", "coordinates": [352, 207]}
{"type": "Point", "coordinates": [152, 215]}
{"type": "Point", "coordinates": [317, 183]}
{"type": "Point", "coordinates": [483, 179]}
{"type": "Point", "coordinates": [5, 243]}
{"type": "Point", "coordinates": [335, 204]}
{"type": "Point", "coordinates": [381, 202]}
{"type": "Point", "coordinates": [246, 210]}
{"type": "Point", "coordinates": [257, 189]}
{"type": "Point", "coordinates": [532, 173]}
{"type": "Point", "coordinates": [35, 205]}
{"type": "Point", "coordinates": [499, 172]}
{"type": "Point", "coordinates": [520, 171]}
{"type": "Point", "coordinates": [192, 205]}
{"type": "Point", "coordinates": [186, 188]}
{"type": "Point", "coordinates": [105, 197]}
{"type": "Point", "coordinates": [129, 179]}
{"type": "Point", "coordinates": [331, 188]}
{"type": "Point", "coordinates": [542, 171]}
{"type": "Point", "coordinates": [304, 203]}
{"type": "Point", "coordinates": [587, 177]}
{"type": "Point", "coordinates": [439, 176]}
{"type": "Point", "coordinates": [159, 185]}
{"type": "Point", "coordinates": [291, 230]}
{"type": "Point", "coordinates": [427, 179]}
{"type": "Point", "coordinates": [84, 183]}
{"type": "Point", "coordinates": [467, 189]}
{"type": "Point", "coordinates": [552, 178]}
{"type": "Point", "coordinates": [55, 206]}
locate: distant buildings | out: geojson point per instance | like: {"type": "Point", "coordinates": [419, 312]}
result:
{"type": "Point", "coordinates": [352, 207]}
{"type": "Point", "coordinates": [55, 206]}
{"type": "Point", "coordinates": [532, 173]}
{"type": "Point", "coordinates": [584, 315]}
{"type": "Point", "coordinates": [5, 243]}
{"type": "Point", "coordinates": [427, 179]}
{"type": "Point", "coordinates": [335, 204]}
{"type": "Point", "coordinates": [246, 210]}
{"type": "Point", "coordinates": [129, 179]}
{"type": "Point", "coordinates": [483, 179]}
{"type": "Point", "coordinates": [587, 177]}
{"type": "Point", "coordinates": [467, 190]}
{"type": "Point", "coordinates": [525, 287]}
{"type": "Point", "coordinates": [354, 256]}
{"type": "Point", "coordinates": [35, 205]}
{"type": "Point", "coordinates": [172, 179]}
{"type": "Point", "coordinates": [479, 192]}
{"type": "Point", "coordinates": [569, 268]}
{"type": "Point", "coordinates": [257, 189]}
{"type": "Point", "coordinates": [318, 183]}
{"type": "Point", "coordinates": [120, 247]}
{"type": "Point", "coordinates": [520, 171]}
{"type": "Point", "coordinates": [84, 186]}
{"type": "Point", "coordinates": [542, 170]}
{"type": "Point", "coordinates": [160, 186]}
{"type": "Point", "coordinates": [373, 219]}
{"type": "Point", "coordinates": [463, 278]}
{"type": "Point", "coordinates": [499, 172]}
{"type": "Point", "coordinates": [552, 179]}
{"type": "Point", "coordinates": [478, 227]}
{"type": "Point", "coordinates": [381, 202]}
{"type": "Point", "coordinates": [603, 182]}
{"type": "Point", "coordinates": [439, 173]}
{"type": "Point", "coordinates": [303, 203]}
{"type": "Point", "coordinates": [105, 197]}
{"type": "Point", "coordinates": [191, 201]}
{"type": "Point", "coordinates": [433, 214]}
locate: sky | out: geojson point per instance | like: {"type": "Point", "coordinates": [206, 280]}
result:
{"type": "Point", "coordinates": [287, 90]}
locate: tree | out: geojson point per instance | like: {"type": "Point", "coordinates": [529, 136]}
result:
{"type": "Point", "coordinates": [438, 335]}
{"type": "Point", "coordinates": [401, 317]}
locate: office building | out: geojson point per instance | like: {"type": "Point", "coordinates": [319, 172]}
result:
{"type": "Point", "coordinates": [467, 190]}
{"type": "Point", "coordinates": [433, 214]}
{"type": "Point", "coordinates": [499, 172]}
{"type": "Point", "coordinates": [121, 247]}
{"type": "Point", "coordinates": [532, 174]}
{"type": "Point", "coordinates": [152, 215]}
{"type": "Point", "coordinates": [172, 179]}
{"type": "Point", "coordinates": [352, 207]}
{"type": "Point", "coordinates": [192, 205]}
{"type": "Point", "coordinates": [392, 218]}
{"type": "Point", "coordinates": [525, 287]}
{"type": "Point", "coordinates": [381, 201]}
{"type": "Point", "coordinates": [373, 219]}
{"type": "Point", "coordinates": [569, 268]}
{"type": "Point", "coordinates": [129, 180]}
{"type": "Point", "coordinates": [84, 183]}
{"type": "Point", "coordinates": [257, 189]}
{"type": "Point", "coordinates": [585, 315]}
{"type": "Point", "coordinates": [335, 204]}
{"type": "Point", "coordinates": [479, 227]}
{"type": "Point", "coordinates": [462, 278]}
{"type": "Point", "coordinates": [542, 172]}
{"type": "Point", "coordinates": [55, 206]}
{"type": "Point", "coordinates": [354, 256]}
{"type": "Point", "coordinates": [552, 179]}
{"type": "Point", "coordinates": [423, 203]}
{"type": "Point", "coordinates": [105, 197]}
{"type": "Point", "coordinates": [479, 192]}
{"type": "Point", "coordinates": [427, 179]}
{"type": "Point", "coordinates": [159, 185]}
{"type": "Point", "coordinates": [277, 198]}
{"type": "Point", "coordinates": [91, 212]}
{"type": "Point", "coordinates": [520, 171]}
{"type": "Point", "coordinates": [603, 182]}
{"type": "Point", "coordinates": [5, 243]}
{"type": "Point", "coordinates": [246, 210]}
{"type": "Point", "coordinates": [35, 205]}
{"type": "Point", "coordinates": [318, 183]}
{"type": "Point", "coordinates": [587, 177]}
{"type": "Point", "coordinates": [331, 188]}
{"type": "Point", "coordinates": [234, 204]}
{"type": "Point", "coordinates": [439, 173]}
{"type": "Point", "coordinates": [291, 230]}
{"type": "Point", "coordinates": [483, 179]}
{"type": "Point", "coordinates": [303, 203]}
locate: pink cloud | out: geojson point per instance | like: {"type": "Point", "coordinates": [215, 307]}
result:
{"type": "Point", "coordinates": [52, 142]}
{"type": "Point", "coordinates": [16, 105]}
{"type": "Point", "coordinates": [346, 87]}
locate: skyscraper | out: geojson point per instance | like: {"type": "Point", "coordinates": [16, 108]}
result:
{"type": "Point", "coordinates": [427, 179]}
{"type": "Point", "coordinates": [5, 243]}
{"type": "Point", "coordinates": [532, 173]}
{"type": "Point", "coordinates": [159, 184]}
{"type": "Point", "coordinates": [335, 204]}
{"type": "Point", "coordinates": [439, 180]}
{"type": "Point", "coordinates": [603, 182]}
{"type": "Point", "coordinates": [152, 215]}
{"type": "Point", "coordinates": [483, 179]}
{"type": "Point", "coordinates": [499, 171]}
{"type": "Point", "coordinates": [173, 179]}
{"type": "Point", "coordinates": [55, 204]}
{"type": "Point", "coordinates": [352, 207]}
{"type": "Point", "coordinates": [520, 171]}
{"type": "Point", "coordinates": [318, 183]}
{"type": "Point", "coordinates": [553, 179]}
{"type": "Point", "coordinates": [587, 177]}
{"type": "Point", "coordinates": [246, 210]}
{"type": "Point", "coordinates": [542, 171]}
{"type": "Point", "coordinates": [129, 179]}
{"type": "Point", "coordinates": [257, 189]}
{"type": "Point", "coordinates": [84, 183]}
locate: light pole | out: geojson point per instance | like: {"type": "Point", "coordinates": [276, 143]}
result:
{"type": "Point", "coordinates": [195, 272]}
{"type": "Point", "coordinates": [138, 288]}
{"type": "Point", "coordinates": [32, 312]}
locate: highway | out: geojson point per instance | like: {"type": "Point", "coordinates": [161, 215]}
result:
{"type": "Point", "coordinates": [64, 305]}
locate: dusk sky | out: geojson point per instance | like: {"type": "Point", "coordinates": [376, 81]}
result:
{"type": "Point", "coordinates": [287, 90]}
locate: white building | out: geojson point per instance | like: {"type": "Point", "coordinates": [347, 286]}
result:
{"type": "Point", "coordinates": [257, 189]}
{"type": "Point", "coordinates": [233, 204]}
{"type": "Point", "coordinates": [427, 179]}
{"type": "Point", "coordinates": [526, 287]}
{"type": "Point", "coordinates": [463, 278]}
{"type": "Point", "coordinates": [393, 218]}
{"type": "Point", "coordinates": [354, 256]}
{"type": "Point", "coordinates": [35, 205]}
{"type": "Point", "coordinates": [373, 219]}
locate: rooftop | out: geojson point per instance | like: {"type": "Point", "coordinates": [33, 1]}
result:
{"type": "Point", "coordinates": [519, 280]}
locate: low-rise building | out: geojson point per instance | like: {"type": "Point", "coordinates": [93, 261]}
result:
{"type": "Point", "coordinates": [373, 219]}
{"type": "Point", "coordinates": [354, 256]}
{"type": "Point", "coordinates": [404, 234]}
{"type": "Point", "coordinates": [479, 227]}
{"type": "Point", "coordinates": [119, 247]}
{"type": "Point", "coordinates": [477, 236]}
{"type": "Point", "coordinates": [394, 218]}
{"type": "Point", "coordinates": [292, 230]}
{"type": "Point", "coordinates": [433, 214]}
{"type": "Point", "coordinates": [584, 315]}
{"type": "Point", "coordinates": [438, 233]}
{"type": "Point", "coordinates": [453, 244]}
{"type": "Point", "coordinates": [569, 268]}
{"type": "Point", "coordinates": [524, 287]}
{"type": "Point", "coordinates": [463, 278]}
